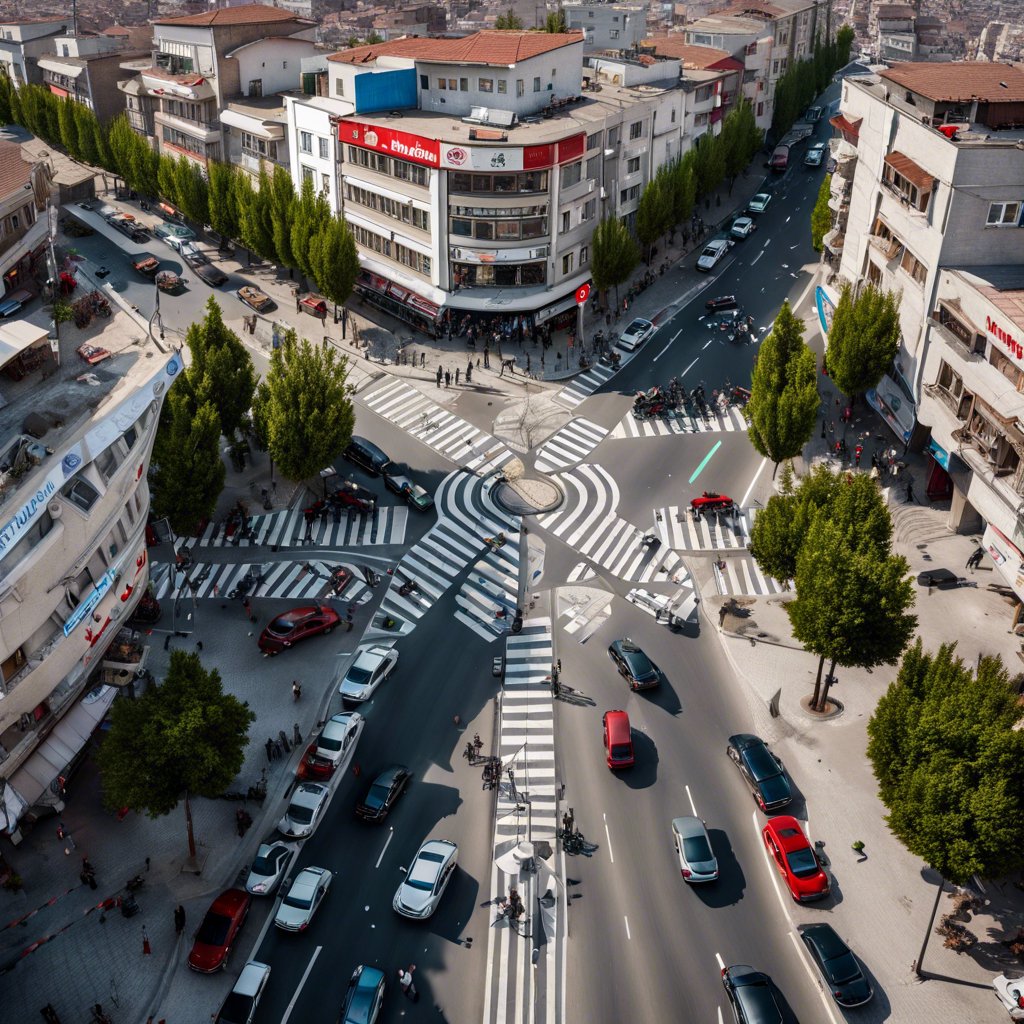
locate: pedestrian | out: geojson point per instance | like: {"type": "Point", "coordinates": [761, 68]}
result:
{"type": "Point", "coordinates": [405, 980]}
{"type": "Point", "coordinates": [278, 752]}
{"type": "Point", "coordinates": [469, 372]}
{"type": "Point", "coordinates": [558, 662]}
{"type": "Point", "coordinates": [447, 378]}
{"type": "Point", "coordinates": [823, 430]}
{"type": "Point", "coordinates": [270, 749]}
{"type": "Point", "coordinates": [527, 362]}
{"type": "Point", "coordinates": [975, 560]}
{"type": "Point", "coordinates": [296, 690]}
{"type": "Point", "coordinates": [457, 372]}
{"type": "Point", "coordinates": [440, 373]}
{"type": "Point", "coordinates": [179, 920]}
{"type": "Point", "coordinates": [910, 491]}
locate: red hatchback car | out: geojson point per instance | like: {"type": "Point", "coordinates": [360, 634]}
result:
{"type": "Point", "coordinates": [795, 859]}
{"type": "Point", "coordinates": [219, 930]}
{"type": "Point", "coordinates": [298, 624]}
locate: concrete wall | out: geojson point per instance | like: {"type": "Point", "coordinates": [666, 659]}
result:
{"type": "Point", "coordinates": [274, 62]}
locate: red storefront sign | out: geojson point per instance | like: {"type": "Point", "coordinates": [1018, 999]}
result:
{"type": "Point", "coordinates": [395, 143]}
{"type": "Point", "coordinates": [571, 149]}
{"type": "Point", "coordinates": [537, 157]}
{"type": "Point", "coordinates": [1012, 344]}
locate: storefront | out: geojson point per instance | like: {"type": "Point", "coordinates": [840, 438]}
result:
{"type": "Point", "coordinates": [400, 302]}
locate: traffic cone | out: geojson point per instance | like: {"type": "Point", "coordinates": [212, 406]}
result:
{"type": "Point", "coordinates": [146, 949]}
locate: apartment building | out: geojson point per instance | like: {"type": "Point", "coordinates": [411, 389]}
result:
{"type": "Point", "coordinates": [766, 37]}
{"type": "Point", "coordinates": [23, 41]}
{"type": "Point", "coordinates": [928, 193]}
{"type": "Point", "coordinates": [606, 26]}
{"type": "Point", "coordinates": [473, 171]}
{"type": "Point", "coordinates": [88, 68]}
{"type": "Point", "coordinates": [200, 62]}
{"type": "Point", "coordinates": [22, 227]}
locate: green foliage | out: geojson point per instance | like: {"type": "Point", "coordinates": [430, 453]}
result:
{"type": "Point", "coordinates": [222, 200]}
{"type": "Point", "coordinates": [192, 190]}
{"type": "Point", "coordinates": [784, 399]}
{"type": "Point", "coordinates": [821, 215]}
{"type": "Point", "coordinates": [613, 254]}
{"type": "Point", "coordinates": [189, 473]}
{"type": "Point", "coordinates": [844, 44]}
{"type": "Point", "coordinates": [804, 79]}
{"type": "Point", "coordinates": [303, 407]}
{"type": "Point", "coordinates": [510, 21]}
{"type": "Point", "coordinates": [335, 261]}
{"type": "Point", "coordinates": [62, 311]}
{"type": "Point", "coordinates": [184, 736]}
{"type": "Point", "coordinates": [864, 338]}
{"type": "Point", "coordinates": [167, 180]}
{"type": "Point", "coordinates": [852, 606]}
{"type": "Point", "coordinates": [220, 371]}
{"type": "Point", "coordinates": [68, 128]}
{"type": "Point", "coordinates": [310, 217]}
{"type": "Point", "coordinates": [255, 215]}
{"type": "Point", "coordinates": [710, 165]}
{"type": "Point", "coordinates": [741, 138]}
{"type": "Point", "coordinates": [683, 178]}
{"type": "Point", "coordinates": [374, 38]}
{"type": "Point", "coordinates": [947, 749]}
{"type": "Point", "coordinates": [654, 212]}
{"type": "Point", "coordinates": [6, 90]}
{"type": "Point", "coordinates": [282, 203]}
{"type": "Point", "coordinates": [555, 22]}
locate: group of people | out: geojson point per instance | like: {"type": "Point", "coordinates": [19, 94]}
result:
{"type": "Point", "coordinates": [511, 907]}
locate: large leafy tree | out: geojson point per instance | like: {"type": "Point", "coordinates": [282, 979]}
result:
{"type": "Point", "coordinates": [167, 180]}
{"type": "Point", "coordinates": [844, 43]}
{"type": "Point", "coordinates": [282, 204]}
{"type": "Point", "coordinates": [613, 255]}
{"type": "Point", "coordinates": [711, 164]}
{"type": "Point", "coordinates": [223, 201]}
{"type": "Point", "coordinates": [947, 749]}
{"type": "Point", "coordinates": [304, 408]}
{"type": "Point", "coordinates": [654, 213]}
{"type": "Point", "coordinates": [852, 606]}
{"type": "Point", "coordinates": [185, 737]}
{"type": "Point", "coordinates": [784, 398]}
{"type": "Point", "coordinates": [683, 177]}
{"type": "Point", "coordinates": [864, 338]}
{"type": "Point", "coordinates": [189, 473]}
{"type": "Point", "coordinates": [255, 215]}
{"type": "Point", "coordinates": [335, 261]}
{"type": "Point", "coordinates": [192, 189]}
{"type": "Point", "coordinates": [220, 371]}
{"type": "Point", "coordinates": [821, 215]}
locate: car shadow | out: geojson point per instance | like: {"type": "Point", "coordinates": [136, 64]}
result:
{"type": "Point", "coordinates": [732, 882]}
{"type": "Point", "coordinates": [455, 914]}
{"type": "Point", "coordinates": [644, 772]}
{"type": "Point", "coordinates": [664, 697]}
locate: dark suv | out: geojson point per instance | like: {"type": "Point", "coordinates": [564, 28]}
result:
{"type": "Point", "coordinates": [634, 666]}
{"type": "Point", "coordinates": [752, 995]}
{"type": "Point", "coordinates": [762, 770]}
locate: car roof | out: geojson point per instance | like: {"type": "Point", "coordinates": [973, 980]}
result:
{"type": "Point", "coordinates": [308, 878]}
{"type": "Point", "coordinates": [430, 858]}
{"type": "Point", "coordinates": [251, 978]}
{"type": "Point", "coordinates": [338, 725]}
{"type": "Point", "coordinates": [826, 939]}
{"type": "Point", "coordinates": [309, 794]}
{"type": "Point", "coordinates": [688, 825]}
{"type": "Point", "coordinates": [371, 656]}
{"type": "Point", "coordinates": [229, 901]}
{"type": "Point", "coordinates": [787, 830]}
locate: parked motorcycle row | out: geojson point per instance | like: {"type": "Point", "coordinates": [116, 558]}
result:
{"type": "Point", "coordinates": [673, 400]}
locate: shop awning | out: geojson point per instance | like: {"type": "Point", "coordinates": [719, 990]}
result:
{"type": "Point", "coordinates": [18, 336]}
{"type": "Point", "coordinates": [913, 172]}
{"type": "Point", "coordinates": [58, 750]}
{"type": "Point", "coordinates": [383, 286]}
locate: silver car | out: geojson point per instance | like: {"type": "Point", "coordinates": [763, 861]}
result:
{"type": "Point", "coordinates": [338, 738]}
{"type": "Point", "coordinates": [297, 908]}
{"type": "Point", "coordinates": [268, 868]}
{"type": "Point", "coordinates": [309, 801]}
{"type": "Point", "coordinates": [713, 252]}
{"type": "Point", "coordinates": [240, 1005]}
{"type": "Point", "coordinates": [373, 664]}
{"type": "Point", "coordinates": [427, 878]}
{"type": "Point", "coordinates": [697, 862]}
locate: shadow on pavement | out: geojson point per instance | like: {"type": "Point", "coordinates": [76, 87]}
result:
{"type": "Point", "coordinates": [729, 888]}
{"type": "Point", "coordinates": [644, 772]}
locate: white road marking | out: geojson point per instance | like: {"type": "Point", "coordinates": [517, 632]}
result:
{"type": "Point", "coordinates": [611, 856]}
{"type": "Point", "coordinates": [690, 367]}
{"type": "Point", "coordinates": [788, 219]}
{"type": "Point", "coordinates": [387, 843]}
{"type": "Point", "coordinates": [628, 936]}
{"type": "Point", "coordinates": [706, 343]}
{"type": "Point", "coordinates": [667, 347]}
{"type": "Point", "coordinates": [721, 962]}
{"type": "Point", "coordinates": [815, 980]}
{"type": "Point", "coordinates": [720, 1018]}
{"type": "Point", "coordinates": [302, 981]}
{"type": "Point", "coordinates": [743, 500]}
{"type": "Point", "coordinates": [693, 806]}
{"type": "Point", "coordinates": [757, 257]}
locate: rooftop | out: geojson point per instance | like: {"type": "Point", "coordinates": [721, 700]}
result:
{"type": "Point", "coordinates": [727, 24]}
{"type": "Point", "coordinates": [15, 170]}
{"type": "Point", "coordinates": [1003, 286]}
{"type": "Point", "coordinates": [488, 47]}
{"type": "Point", "coordinates": [960, 81]}
{"type": "Point", "coordinates": [247, 14]}
{"type": "Point", "coordinates": [694, 58]}
{"type": "Point", "coordinates": [763, 9]}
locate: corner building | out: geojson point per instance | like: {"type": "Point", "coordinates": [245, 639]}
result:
{"type": "Point", "coordinates": [473, 171]}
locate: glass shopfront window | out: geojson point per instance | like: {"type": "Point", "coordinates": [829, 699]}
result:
{"type": "Point", "coordinates": [502, 225]}
{"type": "Point", "coordinates": [499, 275]}
{"type": "Point", "coordinates": [498, 184]}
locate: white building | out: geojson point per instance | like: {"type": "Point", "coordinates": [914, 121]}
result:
{"type": "Point", "coordinates": [23, 41]}
{"type": "Point", "coordinates": [607, 25]}
{"type": "Point", "coordinates": [481, 195]}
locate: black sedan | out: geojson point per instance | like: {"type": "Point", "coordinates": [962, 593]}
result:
{"type": "Point", "coordinates": [837, 966]}
{"type": "Point", "coordinates": [634, 666]}
{"type": "Point", "coordinates": [383, 793]}
{"type": "Point", "coordinates": [762, 770]}
{"type": "Point", "coordinates": [206, 271]}
{"type": "Point", "coordinates": [753, 995]}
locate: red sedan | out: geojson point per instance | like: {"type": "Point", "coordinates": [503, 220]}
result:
{"type": "Point", "coordinates": [793, 856]}
{"type": "Point", "coordinates": [298, 624]}
{"type": "Point", "coordinates": [219, 930]}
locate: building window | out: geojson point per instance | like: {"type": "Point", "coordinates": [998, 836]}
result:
{"type": "Point", "coordinates": [913, 266]}
{"type": "Point", "coordinates": [632, 166]}
{"type": "Point", "coordinates": [325, 184]}
{"type": "Point", "coordinates": [453, 84]}
{"type": "Point", "coordinates": [589, 210]}
{"type": "Point", "coordinates": [567, 261]}
{"type": "Point", "coordinates": [904, 190]}
{"type": "Point", "coordinates": [593, 142]}
{"type": "Point", "coordinates": [325, 153]}
{"type": "Point", "coordinates": [636, 129]}
{"type": "Point", "coordinates": [775, 67]}
{"type": "Point", "coordinates": [81, 494]}
{"type": "Point", "coordinates": [584, 256]}
{"type": "Point", "coordinates": [442, 83]}
{"type": "Point", "coordinates": [760, 109]}
{"type": "Point", "coordinates": [613, 33]}
{"type": "Point", "coordinates": [572, 174]}
{"type": "Point", "coordinates": [485, 84]}
{"type": "Point", "coordinates": [395, 168]}
{"type": "Point", "coordinates": [566, 220]}
{"type": "Point", "coordinates": [393, 208]}
{"type": "Point", "coordinates": [1004, 215]}
{"type": "Point", "coordinates": [463, 85]}
{"type": "Point", "coordinates": [424, 84]}
{"type": "Point", "coordinates": [253, 146]}
{"type": "Point", "coordinates": [484, 184]}
{"type": "Point", "coordinates": [305, 142]}
{"type": "Point", "coordinates": [502, 85]}
{"type": "Point", "coordinates": [536, 84]}
{"type": "Point", "coordinates": [339, 85]}
{"type": "Point", "coordinates": [499, 275]}
{"type": "Point", "coordinates": [520, 87]}
{"type": "Point", "coordinates": [627, 195]}
{"type": "Point", "coordinates": [256, 87]}
{"type": "Point", "coordinates": [392, 250]}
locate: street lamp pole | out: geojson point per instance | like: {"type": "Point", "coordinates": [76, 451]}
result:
{"type": "Point", "coordinates": [924, 945]}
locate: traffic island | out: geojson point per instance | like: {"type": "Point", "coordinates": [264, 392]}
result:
{"type": "Point", "coordinates": [527, 495]}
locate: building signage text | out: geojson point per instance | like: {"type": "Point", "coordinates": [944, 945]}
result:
{"type": "Point", "coordinates": [1012, 345]}
{"type": "Point", "coordinates": [76, 617]}
{"type": "Point", "coordinates": [388, 140]}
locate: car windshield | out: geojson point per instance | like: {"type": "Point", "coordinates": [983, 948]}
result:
{"type": "Point", "coordinates": [802, 863]}
{"type": "Point", "coordinates": [843, 969]}
{"type": "Point", "coordinates": [282, 625]}
{"type": "Point", "coordinates": [235, 1009]}
{"type": "Point", "coordinates": [377, 795]}
{"type": "Point", "coordinates": [620, 750]}
{"type": "Point", "coordinates": [214, 930]}
{"type": "Point", "coordinates": [696, 849]}
{"type": "Point", "coordinates": [710, 251]}
{"type": "Point", "coordinates": [761, 763]}
{"type": "Point", "coordinates": [635, 327]}
{"type": "Point", "coordinates": [267, 865]}
{"type": "Point", "coordinates": [357, 675]}
{"type": "Point", "coordinates": [299, 902]}
{"type": "Point", "coordinates": [329, 743]}
{"type": "Point", "coordinates": [301, 814]}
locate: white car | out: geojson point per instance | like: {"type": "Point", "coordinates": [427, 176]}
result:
{"type": "Point", "coordinates": [337, 740]}
{"type": "Point", "coordinates": [240, 1005]}
{"type": "Point", "coordinates": [816, 154]}
{"type": "Point", "coordinates": [635, 334]}
{"type": "Point", "coordinates": [427, 878]}
{"type": "Point", "coordinates": [373, 664]}
{"type": "Point", "coordinates": [697, 862]}
{"type": "Point", "coordinates": [268, 868]}
{"type": "Point", "coordinates": [759, 203]}
{"type": "Point", "coordinates": [713, 252]}
{"type": "Point", "coordinates": [743, 227]}
{"type": "Point", "coordinates": [309, 801]}
{"type": "Point", "coordinates": [297, 908]}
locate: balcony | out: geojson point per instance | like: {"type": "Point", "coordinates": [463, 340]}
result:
{"type": "Point", "coordinates": [203, 131]}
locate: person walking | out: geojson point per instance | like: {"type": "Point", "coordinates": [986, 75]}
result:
{"type": "Point", "coordinates": [447, 378]}
{"type": "Point", "coordinates": [296, 690]}
{"type": "Point", "coordinates": [406, 982]}
{"type": "Point", "coordinates": [440, 374]}
{"type": "Point", "coordinates": [910, 491]}
{"type": "Point", "coordinates": [179, 920]}
{"type": "Point", "coordinates": [457, 372]}
{"type": "Point", "coordinates": [975, 560]}
{"type": "Point", "coordinates": [469, 372]}
{"type": "Point", "coordinates": [270, 749]}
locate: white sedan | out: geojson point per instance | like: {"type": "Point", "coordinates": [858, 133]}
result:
{"type": "Point", "coordinates": [373, 664]}
{"type": "Point", "coordinates": [713, 252]}
{"type": "Point", "coordinates": [269, 867]}
{"type": "Point", "coordinates": [635, 334]}
{"type": "Point", "coordinates": [759, 203]}
{"type": "Point", "coordinates": [306, 893]}
{"type": "Point", "coordinates": [427, 878]}
{"type": "Point", "coordinates": [337, 740]}
{"type": "Point", "coordinates": [308, 803]}
{"type": "Point", "coordinates": [743, 227]}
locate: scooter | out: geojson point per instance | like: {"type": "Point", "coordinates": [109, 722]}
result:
{"type": "Point", "coordinates": [248, 583]}
{"type": "Point", "coordinates": [407, 587]}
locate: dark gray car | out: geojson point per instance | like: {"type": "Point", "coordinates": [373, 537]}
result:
{"type": "Point", "coordinates": [762, 769]}
{"type": "Point", "coordinates": [752, 994]}
{"type": "Point", "coordinates": [836, 964]}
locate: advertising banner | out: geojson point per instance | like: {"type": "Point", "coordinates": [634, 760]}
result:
{"type": "Point", "coordinates": [490, 158]}
{"type": "Point", "coordinates": [388, 140]}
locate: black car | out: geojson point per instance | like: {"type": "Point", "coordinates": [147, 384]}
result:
{"type": "Point", "coordinates": [837, 966]}
{"type": "Point", "coordinates": [383, 793]}
{"type": "Point", "coordinates": [752, 994]}
{"type": "Point", "coordinates": [762, 769]}
{"type": "Point", "coordinates": [721, 303]}
{"type": "Point", "coordinates": [206, 271]}
{"type": "Point", "coordinates": [364, 996]}
{"type": "Point", "coordinates": [634, 666]}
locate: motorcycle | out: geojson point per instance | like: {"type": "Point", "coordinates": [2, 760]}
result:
{"type": "Point", "coordinates": [246, 585]}
{"type": "Point", "coordinates": [611, 359]}
{"type": "Point", "coordinates": [407, 587]}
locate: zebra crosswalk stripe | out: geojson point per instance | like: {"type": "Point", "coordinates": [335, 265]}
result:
{"type": "Point", "coordinates": [584, 385]}
{"type": "Point", "coordinates": [677, 528]}
{"type": "Point", "coordinates": [743, 576]}
{"type": "Point", "coordinates": [730, 420]}
{"type": "Point", "coordinates": [573, 443]}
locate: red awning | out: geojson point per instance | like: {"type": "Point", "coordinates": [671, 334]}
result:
{"type": "Point", "coordinates": [425, 307]}
{"type": "Point", "coordinates": [850, 130]}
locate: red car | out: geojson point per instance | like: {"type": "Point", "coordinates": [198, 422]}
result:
{"type": "Point", "coordinates": [793, 856]}
{"type": "Point", "coordinates": [288, 629]}
{"type": "Point", "coordinates": [219, 930]}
